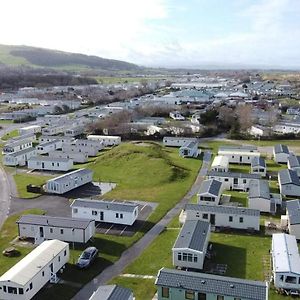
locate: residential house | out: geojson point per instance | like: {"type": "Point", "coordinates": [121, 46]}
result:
{"type": "Point", "coordinates": [74, 130]}
{"type": "Point", "coordinates": [238, 155]}
{"type": "Point", "coordinates": [73, 148]}
{"type": "Point", "coordinates": [289, 183]}
{"type": "Point", "coordinates": [210, 192]}
{"type": "Point", "coordinates": [32, 129]}
{"type": "Point", "coordinates": [19, 158]}
{"type": "Point", "coordinates": [28, 276]}
{"type": "Point", "coordinates": [177, 285]}
{"type": "Point", "coordinates": [16, 146]}
{"type": "Point", "coordinates": [63, 139]}
{"type": "Point", "coordinates": [191, 244]}
{"type": "Point", "coordinates": [285, 262]}
{"type": "Point", "coordinates": [281, 153]}
{"type": "Point", "coordinates": [105, 140]}
{"type": "Point", "coordinates": [223, 216]}
{"type": "Point", "coordinates": [47, 147]}
{"type": "Point", "coordinates": [171, 141]}
{"type": "Point", "coordinates": [70, 181]}
{"type": "Point", "coordinates": [124, 213]}
{"type": "Point", "coordinates": [77, 157]}
{"type": "Point", "coordinates": [259, 166]}
{"type": "Point", "coordinates": [50, 163]}
{"type": "Point", "coordinates": [40, 228]}
{"type": "Point", "coordinates": [220, 164]}
{"type": "Point", "coordinates": [53, 130]}
{"type": "Point", "coordinates": [190, 149]}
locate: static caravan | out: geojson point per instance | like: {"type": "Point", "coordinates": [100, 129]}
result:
{"type": "Point", "coordinates": [56, 119]}
{"type": "Point", "coordinates": [53, 130]}
{"type": "Point", "coordinates": [293, 163]}
{"type": "Point", "coordinates": [112, 292]}
{"type": "Point", "coordinates": [124, 213]}
{"type": "Point", "coordinates": [49, 138]}
{"type": "Point", "coordinates": [105, 140]}
{"type": "Point", "coordinates": [88, 143]}
{"type": "Point", "coordinates": [289, 183]}
{"type": "Point", "coordinates": [33, 129]}
{"type": "Point", "coordinates": [281, 153]}
{"type": "Point", "coordinates": [50, 163]}
{"type": "Point", "coordinates": [190, 149]}
{"type": "Point", "coordinates": [260, 198]}
{"type": "Point", "coordinates": [30, 137]}
{"type": "Point", "coordinates": [285, 262]}
{"type": "Point", "coordinates": [77, 157]}
{"type": "Point", "coordinates": [210, 192]}
{"type": "Point", "coordinates": [223, 216]}
{"type": "Point", "coordinates": [220, 164]}
{"type": "Point", "coordinates": [293, 217]}
{"type": "Point", "coordinates": [34, 271]}
{"type": "Point", "coordinates": [42, 228]}
{"type": "Point", "coordinates": [258, 166]}
{"type": "Point", "coordinates": [47, 147]}
{"type": "Point", "coordinates": [176, 115]}
{"type": "Point", "coordinates": [69, 181]}
{"type": "Point", "coordinates": [177, 284]}
{"type": "Point", "coordinates": [19, 158]}
{"type": "Point", "coordinates": [237, 155]}
{"type": "Point", "coordinates": [233, 181]}
{"type": "Point", "coordinates": [74, 130]}
{"type": "Point", "coordinates": [16, 146]}
{"type": "Point", "coordinates": [173, 141]}
{"type": "Point", "coordinates": [191, 244]}
{"type": "Point", "coordinates": [88, 150]}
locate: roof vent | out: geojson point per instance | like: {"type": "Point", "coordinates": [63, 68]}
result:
{"type": "Point", "coordinates": [232, 286]}
{"type": "Point", "coordinates": [202, 281]}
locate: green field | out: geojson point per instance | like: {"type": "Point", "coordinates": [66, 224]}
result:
{"type": "Point", "coordinates": [237, 196]}
{"type": "Point", "coordinates": [9, 135]}
{"type": "Point", "coordinates": [23, 179]}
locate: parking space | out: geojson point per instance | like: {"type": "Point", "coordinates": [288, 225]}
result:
{"type": "Point", "coordinates": [145, 209]}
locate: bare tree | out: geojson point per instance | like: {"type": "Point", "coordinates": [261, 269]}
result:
{"type": "Point", "coordinates": [243, 113]}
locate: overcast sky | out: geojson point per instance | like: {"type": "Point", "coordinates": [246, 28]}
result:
{"type": "Point", "coordinates": [167, 33]}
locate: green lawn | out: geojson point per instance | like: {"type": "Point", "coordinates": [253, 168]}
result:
{"type": "Point", "coordinates": [9, 135]}
{"type": "Point", "coordinates": [239, 168]}
{"type": "Point", "coordinates": [272, 166]}
{"type": "Point", "coordinates": [237, 196]}
{"type": "Point", "coordinates": [23, 179]}
{"type": "Point", "coordinates": [8, 232]}
{"type": "Point", "coordinates": [6, 122]}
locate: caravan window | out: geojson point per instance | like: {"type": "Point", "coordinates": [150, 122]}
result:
{"type": "Point", "coordinates": [12, 290]}
{"type": "Point", "coordinates": [21, 291]}
{"type": "Point", "coordinates": [189, 295]}
{"type": "Point", "coordinates": [291, 279]}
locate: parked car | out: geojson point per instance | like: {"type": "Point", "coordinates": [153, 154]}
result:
{"type": "Point", "coordinates": [87, 257]}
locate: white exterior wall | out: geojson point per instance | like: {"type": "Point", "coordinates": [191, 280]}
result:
{"type": "Point", "coordinates": [290, 190]}
{"type": "Point", "coordinates": [50, 165]}
{"type": "Point", "coordinates": [222, 220]}
{"type": "Point", "coordinates": [239, 158]}
{"type": "Point", "coordinates": [176, 141]}
{"type": "Point", "coordinates": [38, 281]}
{"type": "Point", "coordinates": [90, 151]}
{"type": "Point", "coordinates": [109, 216]}
{"type": "Point", "coordinates": [215, 202]}
{"type": "Point", "coordinates": [286, 128]}
{"type": "Point", "coordinates": [261, 204]}
{"type": "Point", "coordinates": [30, 129]}
{"type": "Point", "coordinates": [228, 183]}
{"type": "Point", "coordinates": [74, 131]}
{"type": "Point", "coordinates": [105, 140]}
{"type": "Point", "coordinates": [71, 183]}
{"type": "Point", "coordinates": [67, 235]}
{"type": "Point", "coordinates": [259, 170]}
{"type": "Point", "coordinates": [46, 148]}
{"type": "Point", "coordinates": [188, 152]}
{"type": "Point", "coordinates": [20, 160]}
{"type": "Point", "coordinates": [53, 130]}
{"type": "Point", "coordinates": [77, 157]}
{"type": "Point", "coordinates": [10, 148]}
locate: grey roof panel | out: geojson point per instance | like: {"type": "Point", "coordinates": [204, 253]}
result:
{"type": "Point", "coordinates": [21, 152]}
{"type": "Point", "coordinates": [259, 189]}
{"type": "Point", "coordinates": [54, 221]}
{"type": "Point", "coordinates": [193, 235]}
{"type": "Point", "coordinates": [258, 162]}
{"type": "Point", "coordinates": [211, 186]}
{"type": "Point", "coordinates": [234, 175]}
{"type": "Point", "coordinates": [70, 175]}
{"type": "Point", "coordinates": [293, 209]}
{"type": "Point", "coordinates": [279, 148]}
{"type": "Point", "coordinates": [111, 292]}
{"type": "Point", "coordinates": [213, 284]}
{"type": "Point", "coordinates": [288, 177]}
{"type": "Point", "coordinates": [294, 161]}
{"type": "Point", "coordinates": [242, 148]}
{"type": "Point", "coordinates": [47, 158]}
{"type": "Point", "coordinates": [105, 205]}
{"type": "Point", "coordinates": [223, 209]}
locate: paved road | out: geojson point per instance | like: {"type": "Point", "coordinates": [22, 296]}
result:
{"type": "Point", "coordinates": [133, 252]}
{"type": "Point", "coordinates": [4, 196]}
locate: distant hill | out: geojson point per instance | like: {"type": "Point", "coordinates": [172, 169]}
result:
{"type": "Point", "coordinates": [45, 58]}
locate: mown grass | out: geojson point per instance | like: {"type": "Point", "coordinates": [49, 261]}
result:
{"type": "Point", "coordinates": [239, 168]}
{"type": "Point", "coordinates": [11, 134]}
{"type": "Point", "coordinates": [236, 196]}
{"type": "Point", "coordinates": [24, 179]}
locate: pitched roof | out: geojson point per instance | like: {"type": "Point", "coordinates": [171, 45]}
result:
{"type": "Point", "coordinates": [234, 175]}
{"type": "Point", "coordinates": [258, 162]}
{"type": "Point", "coordinates": [23, 271]}
{"type": "Point", "coordinates": [54, 221]}
{"type": "Point", "coordinates": [288, 177]}
{"type": "Point", "coordinates": [111, 292]}
{"type": "Point", "coordinates": [193, 235]}
{"type": "Point", "coordinates": [293, 210]}
{"type": "Point", "coordinates": [285, 253]}
{"type": "Point", "coordinates": [259, 189]}
{"type": "Point", "coordinates": [279, 148]}
{"type": "Point", "coordinates": [210, 186]}
{"type": "Point", "coordinates": [213, 284]}
{"type": "Point", "coordinates": [294, 161]}
{"type": "Point", "coordinates": [71, 175]}
{"type": "Point", "coordinates": [190, 144]}
{"type": "Point", "coordinates": [21, 152]}
{"type": "Point", "coordinates": [105, 205]}
{"type": "Point", "coordinates": [239, 148]}
{"type": "Point", "coordinates": [220, 160]}
{"type": "Point", "coordinates": [47, 158]}
{"type": "Point", "coordinates": [223, 209]}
